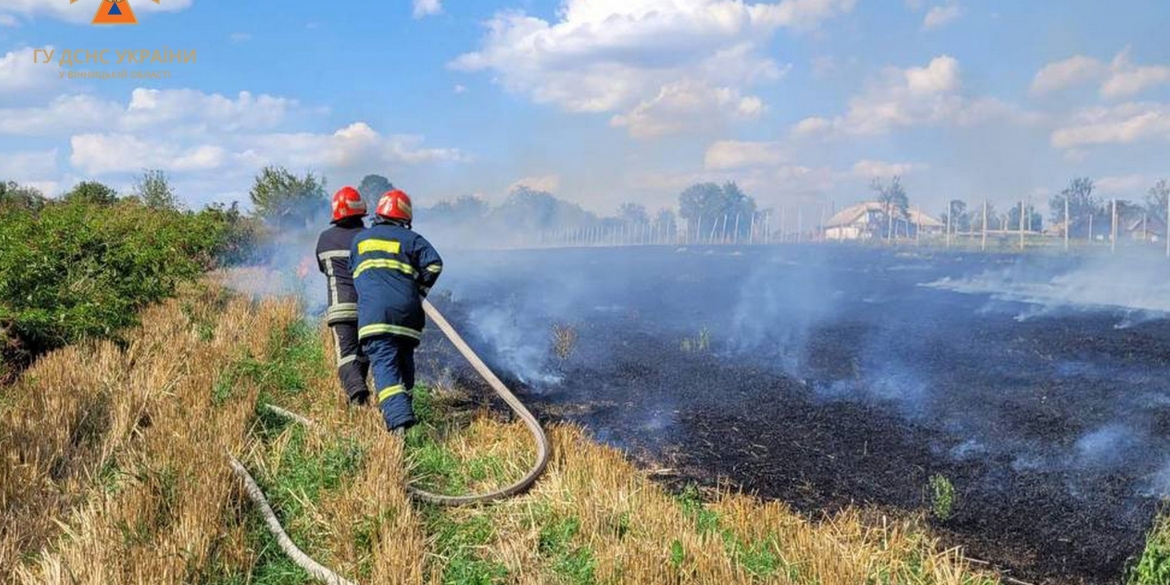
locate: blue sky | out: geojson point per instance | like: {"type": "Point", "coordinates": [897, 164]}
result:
{"type": "Point", "coordinates": [803, 102]}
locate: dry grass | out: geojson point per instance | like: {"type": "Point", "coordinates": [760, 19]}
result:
{"type": "Point", "coordinates": [113, 471]}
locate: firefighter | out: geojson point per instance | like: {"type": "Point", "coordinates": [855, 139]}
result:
{"type": "Point", "coordinates": [333, 249]}
{"type": "Point", "coordinates": [393, 268]}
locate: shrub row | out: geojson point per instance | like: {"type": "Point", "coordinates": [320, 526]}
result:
{"type": "Point", "coordinates": [78, 269]}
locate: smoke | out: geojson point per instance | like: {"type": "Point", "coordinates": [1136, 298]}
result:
{"type": "Point", "coordinates": [1135, 284]}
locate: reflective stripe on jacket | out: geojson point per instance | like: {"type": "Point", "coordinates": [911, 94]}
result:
{"type": "Point", "coordinates": [333, 249]}
{"type": "Point", "coordinates": [393, 270]}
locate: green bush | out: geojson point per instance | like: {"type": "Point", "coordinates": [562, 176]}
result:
{"type": "Point", "coordinates": [1153, 568]}
{"type": "Point", "coordinates": [84, 267]}
{"type": "Point", "coordinates": [942, 497]}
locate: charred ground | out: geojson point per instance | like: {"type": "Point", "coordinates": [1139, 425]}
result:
{"type": "Point", "coordinates": [830, 377]}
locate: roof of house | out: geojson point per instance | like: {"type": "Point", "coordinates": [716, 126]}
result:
{"type": "Point", "coordinates": [854, 213]}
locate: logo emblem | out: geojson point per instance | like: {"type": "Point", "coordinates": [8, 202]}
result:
{"type": "Point", "coordinates": [114, 12]}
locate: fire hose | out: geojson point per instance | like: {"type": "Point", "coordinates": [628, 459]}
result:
{"type": "Point", "coordinates": [326, 575]}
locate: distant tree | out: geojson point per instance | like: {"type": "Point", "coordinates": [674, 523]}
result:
{"type": "Point", "coordinates": [1156, 199]}
{"type": "Point", "coordinates": [92, 192]}
{"type": "Point", "coordinates": [960, 220]}
{"type": "Point", "coordinates": [1033, 219]}
{"type": "Point", "coordinates": [666, 217]}
{"type": "Point", "coordinates": [709, 204]}
{"type": "Point", "coordinates": [13, 194]}
{"type": "Point", "coordinates": [994, 219]}
{"type": "Point", "coordinates": [373, 187]}
{"type": "Point", "coordinates": [895, 205]}
{"type": "Point", "coordinates": [533, 210]}
{"type": "Point", "coordinates": [1081, 206]}
{"type": "Point", "coordinates": [154, 190]}
{"type": "Point", "coordinates": [633, 213]}
{"type": "Point", "coordinates": [283, 198]}
{"type": "Point", "coordinates": [464, 209]}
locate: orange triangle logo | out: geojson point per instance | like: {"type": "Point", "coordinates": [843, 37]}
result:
{"type": "Point", "coordinates": [115, 12]}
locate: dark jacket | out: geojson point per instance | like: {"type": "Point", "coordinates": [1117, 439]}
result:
{"type": "Point", "coordinates": [333, 248]}
{"type": "Point", "coordinates": [394, 269]}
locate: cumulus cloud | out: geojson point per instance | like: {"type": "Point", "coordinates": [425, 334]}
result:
{"type": "Point", "coordinates": [734, 154]}
{"type": "Point", "coordinates": [1120, 78]}
{"type": "Point", "coordinates": [929, 95]}
{"type": "Point", "coordinates": [684, 105]}
{"type": "Point", "coordinates": [872, 169]}
{"type": "Point", "coordinates": [212, 140]}
{"type": "Point", "coordinates": [618, 56]}
{"type": "Point", "coordinates": [19, 73]}
{"type": "Point", "coordinates": [180, 109]}
{"type": "Point", "coordinates": [424, 8]}
{"type": "Point", "coordinates": [1121, 124]}
{"type": "Point", "coordinates": [939, 16]}
{"type": "Point", "coordinates": [81, 12]}
{"type": "Point", "coordinates": [1067, 73]}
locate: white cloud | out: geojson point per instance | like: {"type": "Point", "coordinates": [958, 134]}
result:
{"type": "Point", "coordinates": [872, 169]}
{"type": "Point", "coordinates": [357, 146]}
{"type": "Point", "coordinates": [915, 5]}
{"type": "Point", "coordinates": [939, 16]}
{"type": "Point", "coordinates": [180, 109]}
{"type": "Point", "coordinates": [99, 154]}
{"type": "Point", "coordinates": [1067, 73]}
{"type": "Point", "coordinates": [615, 56]}
{"type": "Point", "coordinates": [733, 154]}
{"type": "Point", "coordinates": [1127, 79]}
{"type": "Point", "coordinates": [548, 183]}
{"type": "Point", "coordinates": [460, 89]}
{"type": "Point", "coordinates": [424, 8]}
{"type": "Point", "coordinates": [19, 73]}
{"type": "Point", "coordinates": [1121, 78]}
{"type": "Point", "coordinates": [1122, 124]}
{"type": "Point", "coordinates": [687, 105]}
{"type": "Point", "coordinates": [8, 20]}
{"type": "Point", "coordinates": [1125, 184]}
{"type": "Point", "coordinates": [82, 11]}
{"type": "Point", "coordinates": [240, 37]}
{"type": "Point", "coordinates": [23, 167]}
{"type": "Point", "coordinates": [930, 95]}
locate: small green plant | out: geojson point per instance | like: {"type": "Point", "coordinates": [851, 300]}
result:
{"type": "Point", "coordinates": [564, 340]}
{"type": "Point", "coordinates": [699, 343]}
{"type": "Point", "coordinates": [942, 497]}
{"type": "Point", "coordinates": [1153, 568]}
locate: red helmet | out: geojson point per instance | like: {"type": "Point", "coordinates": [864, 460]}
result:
{"type": "Point", "coordinates": [395, 205]}
{"type": "Point", "coordinates": [347, 202]}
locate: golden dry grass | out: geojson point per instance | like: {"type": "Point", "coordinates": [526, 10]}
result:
{"type": "Point", "coordinates": [114, 471]}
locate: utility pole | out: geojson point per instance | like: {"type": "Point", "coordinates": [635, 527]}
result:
{"type": "Point", "coordinates": [917, 224]}
{"type": "Point", "coordinates": [1021, 222]}
{"type": "Point", "coordinates": [1113, 228]}
{"type": "Point", "coordinates": [950, 212]}
{"type": "Point", "coordinates": [983, 246]}
{"type": "Point", "coordinates": [1068, 225]}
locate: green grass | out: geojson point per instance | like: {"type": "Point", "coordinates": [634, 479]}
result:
{"type": "Point", "coordinates": [1153, 567]}
{"type": "Point", "coordinates": [761, 559]}
{"type": "Point", "coordinates": [458, 541]}
{"type": "Point", "coordinates": [942, 497]}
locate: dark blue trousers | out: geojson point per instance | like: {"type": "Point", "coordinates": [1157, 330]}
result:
{"type": "Point", "coordinates": [392, 363]}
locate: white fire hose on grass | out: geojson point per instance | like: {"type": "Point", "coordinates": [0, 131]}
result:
{"type": "Point", "coordinates": [324, 574]}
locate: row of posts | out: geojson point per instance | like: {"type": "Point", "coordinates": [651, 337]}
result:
{"type": "Point", "coordinates": [758, 229]}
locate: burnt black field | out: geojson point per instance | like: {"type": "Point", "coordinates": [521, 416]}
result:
{"type": "Point", "coordinates": [835, 375]}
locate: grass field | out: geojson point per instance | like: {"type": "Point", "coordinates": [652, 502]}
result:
{"type": "Point", "coordinates": [113, 469]}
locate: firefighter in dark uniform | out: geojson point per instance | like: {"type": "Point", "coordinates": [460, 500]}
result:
{"type": "Point", "coordinates": [393, 269]}
{"type": "Point", "coordinates": [333, 249]}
